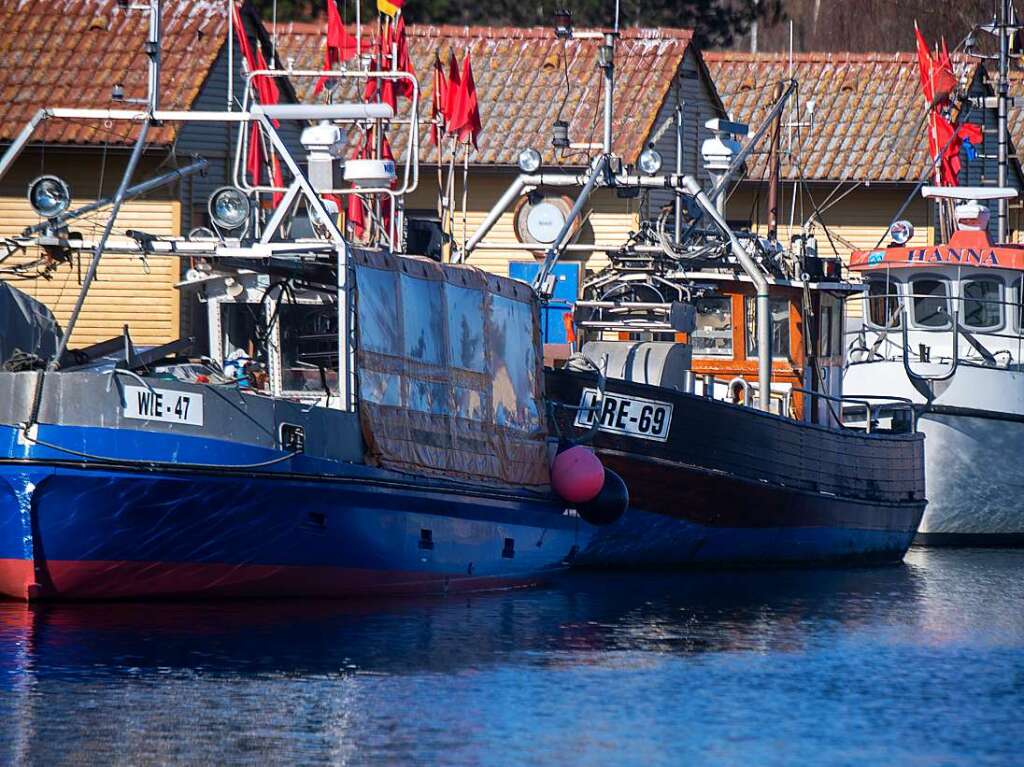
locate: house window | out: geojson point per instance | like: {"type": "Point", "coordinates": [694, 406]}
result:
{"type": "Point", "coordinates": [883, 304]}
{"type": "Point", "coordinates": [712, 336]}
{"type": "Point", "coordinates": [931, 303]}
{"type": "Point", "coordinates": [779, 308]}
{"type": "Point", "coordinates": [983, 308]}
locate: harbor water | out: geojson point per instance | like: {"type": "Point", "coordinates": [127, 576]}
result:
{"type": "Point", "coordinates": [919, 664]}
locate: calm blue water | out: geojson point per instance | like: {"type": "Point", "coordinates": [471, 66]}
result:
{"type": "Point", "coordinates": [921, 664]}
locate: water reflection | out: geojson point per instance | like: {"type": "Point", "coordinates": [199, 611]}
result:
{"type": "Point", "coordinates": [592, 669]}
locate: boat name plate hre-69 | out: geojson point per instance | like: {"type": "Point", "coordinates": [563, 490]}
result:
{"type": "Point", "coordinates": [633, 416]}
{"type": "Point", "coordinates": [152, 404]}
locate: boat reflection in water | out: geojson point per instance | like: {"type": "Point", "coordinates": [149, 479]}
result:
{"type": "Point", "coordinates": [752, 666]}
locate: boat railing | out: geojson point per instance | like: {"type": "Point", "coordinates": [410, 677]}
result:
{"type": "Point", "coordinates": [871, 403]}
{"type": "Point", "coordinates": [898, 308]}
{"type": "Point", "coordinates": [891, 403]}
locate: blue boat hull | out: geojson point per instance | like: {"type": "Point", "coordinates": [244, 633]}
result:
{"type": "Point", "coordinates": [75, 529]}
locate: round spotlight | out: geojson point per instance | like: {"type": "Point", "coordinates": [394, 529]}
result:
{"type": "Point", "coordinates": [650, 161]}
{"type": "Point", "coordinates": [529, 160]}
{"type": "Point", "coordinates": [901, 232]}
{"type": "Point", "coordinates": [229, 207]}
{"type": "Point", "coordinates": [49, 196]}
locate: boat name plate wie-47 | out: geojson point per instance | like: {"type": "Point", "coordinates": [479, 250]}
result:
{"type": "Point", "coordinates": [152, 404]}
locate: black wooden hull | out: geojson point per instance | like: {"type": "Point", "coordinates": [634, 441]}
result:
{"type": "Point", "coordinates": [734, 486]}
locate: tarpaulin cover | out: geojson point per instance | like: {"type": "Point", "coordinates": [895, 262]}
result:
{"type": "Point", "coordinates": [25, 324]}
{"type": "Point", "coordinates": [449, 370]}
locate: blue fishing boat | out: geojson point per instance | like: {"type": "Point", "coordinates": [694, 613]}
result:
{"type": "Point", "coordinates": [352, 421]}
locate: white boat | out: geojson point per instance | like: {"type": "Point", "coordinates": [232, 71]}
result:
{"type": "Point", "coordinates": [943, 327]}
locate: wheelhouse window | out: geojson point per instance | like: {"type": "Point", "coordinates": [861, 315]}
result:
{"type": "Point", "coordinates": [930, 302]}
{"type": "Point", "coordinates": [983, 307]}
{"type": "Point", "coordinates": [243, 343]}
{"type": "Point", "coordinates": [1020, 303]}
{"type": "Point", "coordinates": [309, 347]}
{"type": "Point", "coordinates": [884, 304]}
{"type": "Point", "coordinates": [779, 308]}
{"type": "Point", "coordinates": [712, 336]}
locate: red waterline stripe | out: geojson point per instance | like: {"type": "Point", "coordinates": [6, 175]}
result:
{"type": "Point", "coordinates": [139, 580]}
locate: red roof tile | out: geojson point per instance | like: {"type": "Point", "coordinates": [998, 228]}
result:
{"type": "Point", "coordinates": [70, 53]}
{"type": "Point", "coordinates": [868, 120]}
{"type": "Point", "coordinates": [520, 80]}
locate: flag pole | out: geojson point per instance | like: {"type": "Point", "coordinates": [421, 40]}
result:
{"type": "Point", "coordinates": [465, 199]}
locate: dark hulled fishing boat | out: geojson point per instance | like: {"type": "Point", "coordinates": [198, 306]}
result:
{"type": "Point", "coordinates": [709, 377]}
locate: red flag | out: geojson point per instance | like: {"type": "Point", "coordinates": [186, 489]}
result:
{"type": "Point", "coordinates": [404, 62]}
{"type": "Point", "coordinates": [341, 46]}
{"type": "Point", "coordinates": [937, 78]}
{"type": "Point", "coordinates": [243, 38]}
{"type": "Point", "coordinates": [452, 91]}
{"type": "Point", "coordinates": [438, 101]}
{"type": "Point", "coordinates": [393, 37]}
{"type": "Point", "coordinates": [465, 117]}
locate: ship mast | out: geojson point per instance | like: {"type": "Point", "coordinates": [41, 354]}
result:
{"type": "Point", "coordinates": [1002, 93]}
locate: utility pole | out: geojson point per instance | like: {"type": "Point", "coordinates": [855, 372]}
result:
{"type": "Point", "coordinates": [775, 163]}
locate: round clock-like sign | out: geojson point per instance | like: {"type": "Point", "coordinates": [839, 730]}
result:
{"type": "Point", "coordinates": [544, 221]}
{"type": "Point", "coordinates": [537, 219]}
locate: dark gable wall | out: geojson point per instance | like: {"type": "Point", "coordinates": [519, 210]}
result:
{"type": "Point", "coordinates": [984, 170]}
{"type": "Point", "coordinates": [216, 141]}
{"type": "Point", "coordinates": [694, 88]}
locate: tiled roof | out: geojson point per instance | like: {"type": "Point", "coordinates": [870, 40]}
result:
{"type": "Point", "coordinates": [868, 119]}
{"type": "Point", "coordinates": [520, 80]}
{"type": "Point", "coordinates": [70, 53]}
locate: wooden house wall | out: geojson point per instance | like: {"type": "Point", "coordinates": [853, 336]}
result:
{"type": "Point", "coordinates": [855, 222]}
{"type": "Point", "coordinates": [124, 291]}
{"type": "Point", "coordinates": [608, 218]}
{"type": "Point", "coordinates": [216, 141]}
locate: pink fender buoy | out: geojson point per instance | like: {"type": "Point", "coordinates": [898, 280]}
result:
{"type": "Point", "coordinates": [577, 475]}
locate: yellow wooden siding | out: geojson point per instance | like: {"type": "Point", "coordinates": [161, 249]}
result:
{"type": "Point", "coordinates": [124, 292]}
{"type": "Point", "coordinates": [609, 219]}
{"type": "Point", "coordinates": [855, 222]}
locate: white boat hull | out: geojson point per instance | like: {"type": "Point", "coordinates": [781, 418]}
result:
{"type": "Point", "coordinates": [973, 480]}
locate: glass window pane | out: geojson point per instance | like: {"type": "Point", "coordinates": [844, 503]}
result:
{"type": "Point", "coordinates": [712, 335]}
{"type": "Point", "coordinates": [982, 307]}
{"type": "Point", "coordinates": [1020, 304]}
{"type": "Point", "coordinates": [241, 327]}
{"type": "Point", "coordinates": [931, 303]}
{"type": "Point", "coordinates": [379, 328]}
{"type": "Point", "coordinates": [514, 363]}
{"type": "Point", "coordinates": [780, 327]}
{"type": "Point", "coordinates": [423, 320]}
{"type": "Point", "coordinates": [465, 328]}
{"type": "Point", "coordinates": [309, 347]}
{"type": "Point", "coordinates": [883, 304]}
{"type": "Point", "coordinates": [825, 331]}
